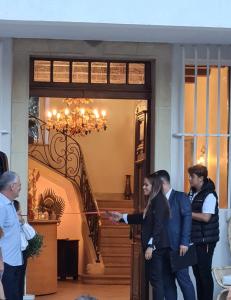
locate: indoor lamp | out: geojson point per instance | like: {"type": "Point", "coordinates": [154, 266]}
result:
{"type": "Point", "coordinates": [77, 118]}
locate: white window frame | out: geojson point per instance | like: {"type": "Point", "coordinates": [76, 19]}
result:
{"type": "Point", "coordinates": [203, 55]}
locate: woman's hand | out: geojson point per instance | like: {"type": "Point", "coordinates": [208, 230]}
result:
{"type": "Point", "coordinates": [114, 216]}
{"type": "Point", "coordinates": [148, 253]}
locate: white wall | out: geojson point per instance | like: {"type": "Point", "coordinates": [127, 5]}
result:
{"type": "Point", "coordinates": [6, 60]}
{"type": "Point", "coordinates": [166, 13]}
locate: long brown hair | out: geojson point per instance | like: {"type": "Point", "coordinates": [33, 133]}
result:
{"type": "Point", "coordinates": [156, 183]}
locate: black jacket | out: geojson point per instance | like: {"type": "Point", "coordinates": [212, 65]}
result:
{"type": "Point", "coordinates": [155, 223]}
{"type": "Point", "coordinates": [203, 232]}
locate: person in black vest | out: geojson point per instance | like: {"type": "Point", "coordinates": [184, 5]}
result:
{"type": "Point", "coordinates": [154, 233]}
{"type": "Point", "coordinates": [205, 228]}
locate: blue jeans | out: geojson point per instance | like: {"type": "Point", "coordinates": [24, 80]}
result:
{"type": "Point", "coordinates": [185, 283]}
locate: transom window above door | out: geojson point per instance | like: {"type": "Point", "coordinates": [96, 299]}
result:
{"type": "Point", "coordinates": [83, 78]}
{"type": "Point", "coordinates": [89, 72]}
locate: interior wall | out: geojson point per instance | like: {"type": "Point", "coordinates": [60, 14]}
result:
{"type": "Point", "coordinates": [109, 155]}
{"type": "Point", "coordinates": [71, 222]}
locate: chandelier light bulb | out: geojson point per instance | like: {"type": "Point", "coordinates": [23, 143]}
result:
{"type": "Point", "coordinates": [66, 111]}
{"type": "Point", "coordinates": [82, 111]}
{"type": "Point", "coordinates": [96, 113]}
{"type": "Point", "coordinates": [77, 118]}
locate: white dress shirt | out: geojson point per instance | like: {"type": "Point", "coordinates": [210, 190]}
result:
{"type": "Point", "coordinates": [10, 243]}
{"type": "Point", "coordinates": [167, 195]}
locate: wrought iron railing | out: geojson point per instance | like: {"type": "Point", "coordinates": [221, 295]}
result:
{"type": "Point", "coordinates": [63, 154]}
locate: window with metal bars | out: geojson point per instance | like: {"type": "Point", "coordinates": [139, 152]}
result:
{"type": "Point", "coordinates": [206, 131]}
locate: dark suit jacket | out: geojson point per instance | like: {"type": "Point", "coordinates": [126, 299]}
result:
{"type": "Point", "coordinates": [155, 223]}
{"type": "Point", "coordinates": [3, 162]}
{"type": "Point", "coordinates": [180, 222]}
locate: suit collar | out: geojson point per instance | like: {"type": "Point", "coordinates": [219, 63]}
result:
{"type": "Point", "coordinates": [171, 195]}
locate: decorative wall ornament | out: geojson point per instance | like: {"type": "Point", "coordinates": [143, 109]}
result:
{"type": "Point", "coordinates": [32, 191]}
{"type": "Point", "coordinates": [52, 204]}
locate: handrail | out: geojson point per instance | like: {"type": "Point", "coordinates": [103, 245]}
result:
{"type": "Point", "coordinates": [63, 154]}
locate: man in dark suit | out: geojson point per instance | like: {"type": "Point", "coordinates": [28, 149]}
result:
{"type": "Point", "coordinates": [179, 230]}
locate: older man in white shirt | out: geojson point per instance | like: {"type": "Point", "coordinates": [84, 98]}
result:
{"type": "Point", "coordinates": [10, 243]}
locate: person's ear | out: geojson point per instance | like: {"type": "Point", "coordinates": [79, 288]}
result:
{"type": "Point", "coordinates": [12, 186]}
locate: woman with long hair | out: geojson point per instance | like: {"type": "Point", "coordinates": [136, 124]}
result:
{"type": "Point", "coordinates": [154, 234]}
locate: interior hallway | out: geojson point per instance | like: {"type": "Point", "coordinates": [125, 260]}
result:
{"type": "Point", "coordinates": [70, 290]}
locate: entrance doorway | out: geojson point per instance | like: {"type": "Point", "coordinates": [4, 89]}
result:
{"type": "Point", "coordinates": [111, 83]}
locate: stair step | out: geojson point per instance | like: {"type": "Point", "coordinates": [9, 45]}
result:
{"type": "Point", "coordinates": [117, 259]}
{"type": "Point", "coordinates": [110, 204]}
{"type": "Point", "coordinates": [106, 221]}
{"type": "Point", "coordinates": [105, 279]}
{"type": "Point", "coordinates": [116, 249]}
{"type": "Point", "coordinates": [107, 230]}
{"type": "Point", "coordinates": [112, 240]}
{"type": "Point", "coordinates": [117, 269]}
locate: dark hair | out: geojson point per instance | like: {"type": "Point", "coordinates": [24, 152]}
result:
{"type": "Point", "coordinates": [16, 205]}
{"type": "Point", "coordinates": [6, 179]}
{"type": "Point", "coordinates": [163, 174]}
{"type": "Point", "coordinates": [156, 183]}
{"type": "Point", "coordinates": [199, 170]}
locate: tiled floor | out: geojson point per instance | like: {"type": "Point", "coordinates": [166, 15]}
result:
{"type": "Point", "coordinates": [70, 290]}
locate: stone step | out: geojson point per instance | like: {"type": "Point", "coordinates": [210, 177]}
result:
{"type": "Point", "coordinates": [117, 269]}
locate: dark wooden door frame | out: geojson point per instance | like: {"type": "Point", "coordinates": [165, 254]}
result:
{"type": "Point", "coordinates": [133, 92]}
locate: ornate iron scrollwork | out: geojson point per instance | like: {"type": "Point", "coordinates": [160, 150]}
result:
{"type": "Point", "coordinates": [63, 154]}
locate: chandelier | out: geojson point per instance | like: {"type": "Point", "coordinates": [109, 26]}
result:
{"type": "Point", "coordinates": [77, 118]}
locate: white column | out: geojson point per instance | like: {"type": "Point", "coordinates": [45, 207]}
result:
{"type": "Point", "coordinates": [177, 117]}
{"type": "Point", "coordinates": [6, 58]}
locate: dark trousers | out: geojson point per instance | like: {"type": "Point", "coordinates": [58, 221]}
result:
{"type": "Point", "coordinates": [185, 283]}
{"type": "Point", "coordinates": [156, 270]}
{"type": "Point", "coordinates": [202, 271]}
{"type": "Point", "coordinates": [10, 282]}
{"type": "Point", "coordinates": [22, 275]}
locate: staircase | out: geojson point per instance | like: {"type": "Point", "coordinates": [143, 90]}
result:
{"type": "Point", "coordinates": [108, 244]}
{"type": "Point", "coordinates": [115, 244]}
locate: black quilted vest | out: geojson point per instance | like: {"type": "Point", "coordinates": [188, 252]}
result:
{"type": "Point", "coordinates": [203, 232]}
